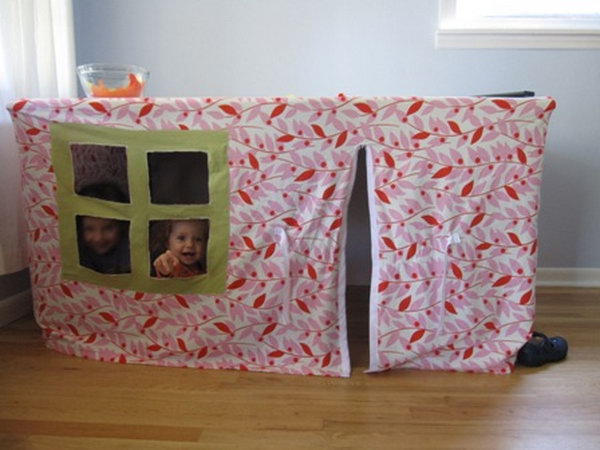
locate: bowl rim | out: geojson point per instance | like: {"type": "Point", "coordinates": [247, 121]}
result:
{"type": "Point", "coordinates": [128, 68]}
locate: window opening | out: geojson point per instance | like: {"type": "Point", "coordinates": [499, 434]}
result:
{"type": "Point", "coordinates": [100, 171]}
{"type": "Point", "coordinates": [178, 178]}
{"type": "Point", "coordinates": [178, 248]}
{"type": "Point", "coordinates": [103, 244]}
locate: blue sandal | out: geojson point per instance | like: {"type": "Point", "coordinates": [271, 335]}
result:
{"type": "Point", "coordinates": [541, 349]}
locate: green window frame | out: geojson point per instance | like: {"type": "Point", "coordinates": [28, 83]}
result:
{"type": "Point", "coordinates": [139, 212]}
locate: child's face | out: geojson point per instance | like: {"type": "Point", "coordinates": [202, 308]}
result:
{"type": "Point", "coordinates": [187, 241]}
{"type": "Point", "coordinates": [100, 235]}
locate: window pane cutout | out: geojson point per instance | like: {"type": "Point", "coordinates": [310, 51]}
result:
{"type": "Point", "coordinates": [140, 211]}
{"type": "Point", "coordinates": [103, 244]}
{"type": "Point", "coordinates": [178, 178]}
{"type": "Point", "coordinates": [178, 247]}
{"type": "Point", "coordinates": [100, 171]}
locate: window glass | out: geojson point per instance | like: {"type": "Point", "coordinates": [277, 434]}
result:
{"type": "Point", "coordinates": [477, 9]}
{"type": "Point", "coordinates": [518, 24]}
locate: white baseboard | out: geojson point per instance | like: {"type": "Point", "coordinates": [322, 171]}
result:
{"type": "Point", "coordinates": [15, 306]}
{"type": "Point", "coordinates": [568, 277]}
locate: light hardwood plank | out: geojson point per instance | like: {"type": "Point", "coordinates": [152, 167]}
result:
{"type": "Point", "coordinates": [52, 401]}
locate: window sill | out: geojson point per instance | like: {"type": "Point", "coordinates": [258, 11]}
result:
{"type": "Point", "coordinates": [517, 38]}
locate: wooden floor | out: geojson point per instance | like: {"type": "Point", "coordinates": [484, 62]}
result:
{"type": "Point", "coordinates": [55, 402]}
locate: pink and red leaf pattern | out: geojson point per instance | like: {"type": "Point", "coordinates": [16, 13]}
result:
{"type": "Point", "coordinates": [446, 237]}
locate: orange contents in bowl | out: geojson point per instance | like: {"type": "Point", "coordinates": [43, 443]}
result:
{"type": "Point", "coordinates": [133, 89]}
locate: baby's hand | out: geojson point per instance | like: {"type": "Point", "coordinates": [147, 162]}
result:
{"type": "Point", "coordinates": [166, 263]}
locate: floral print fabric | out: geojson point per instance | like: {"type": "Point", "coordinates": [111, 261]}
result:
{"type": "Point", "coordinates": [454, 192]}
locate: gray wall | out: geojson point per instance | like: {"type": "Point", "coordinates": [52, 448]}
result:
{"type": "Point", "coordinates": [375, 47]}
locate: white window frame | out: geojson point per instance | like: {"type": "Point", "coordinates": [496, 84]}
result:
{"type": "Point", "coordinates": [511, 33]}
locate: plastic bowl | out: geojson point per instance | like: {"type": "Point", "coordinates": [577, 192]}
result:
{"type": "Point", "coordinates": [112, 80]}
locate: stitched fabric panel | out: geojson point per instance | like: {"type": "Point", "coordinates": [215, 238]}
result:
{"type": "Point", "coordinates": [454, 193]}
